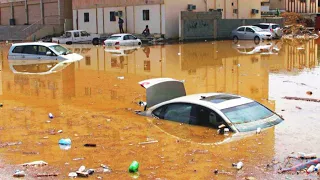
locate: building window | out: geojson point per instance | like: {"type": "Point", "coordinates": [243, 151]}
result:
{"type": "Point", "coordinates": [120, 14]}
{"type": "Point", "coordinates": [145, 14]}
{"type": "Point", "coordinates": [112, 16]}
{"type": "Point", "coordinates": [86, 17]}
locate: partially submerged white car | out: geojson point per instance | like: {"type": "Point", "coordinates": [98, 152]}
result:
{"type": "Point", "coordinates": [122, 40]}
{"type": "Point", "coordinates": [167, 99]}
{"type": "Point", "coordinates": [41, 51]}
{"type": "Point", "coordinates": [122, 51]}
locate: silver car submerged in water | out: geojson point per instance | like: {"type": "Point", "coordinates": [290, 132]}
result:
{"type": "Point", "coordinates": [250, 33]}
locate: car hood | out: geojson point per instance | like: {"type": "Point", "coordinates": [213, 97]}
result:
{"type": "Point", "coordinates": [162, 89]}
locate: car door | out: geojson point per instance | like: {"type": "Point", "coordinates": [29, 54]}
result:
{"type": "Point", "coordinates": [127, 41]}
{"type": "Point", "coordinates": [84, 36]}
{"type": "Point", "coordinates": [207, 117]}
{"type": "Point", "coordinates": [30, 53]}
{"type": "Point", "coordinates": [42, 52]}
{"type": "Point", "coordinates": [134, 41]}
{"type": "Point", "coordinates": [16, 53]}
{"type": "Point", "coordinates": [177, 112]}
{"type": "Point", "coordinates": [240, 32]}
{"type": "Point", "coordinates": [249, 33]}
{"type": "Point", "coordinates": [76, 37]}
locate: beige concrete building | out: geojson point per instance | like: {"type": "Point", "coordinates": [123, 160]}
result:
{"type": "Point", "coordinates": [299, 6]}
{"type": "Point", "coordinates": [162, 16]}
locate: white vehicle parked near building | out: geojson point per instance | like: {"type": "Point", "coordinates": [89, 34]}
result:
{"type": "Point", "coordinates": [39, 51]}
{"type": "Point", "coordinates": [122, 40]}
{"type": "Point", "coordinates": [77, 36]}
{"type": "Point", "coordinates": [274, 29]}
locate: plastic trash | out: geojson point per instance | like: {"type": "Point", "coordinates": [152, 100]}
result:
{"type": "Point", "coordinates": [19, 173]}
{"type": "Point", "coordinates": [72, 174]}
{"type": "Point", "coordinates": [82, 174]}
{"type": "Point", "coordinates": [307, 156]}
{"type": "Point", "coordinates": [121, 77]}
{"type": "Point", "coordinates": [1, 105]}
{"type": "Point", "coordinates": [317, 167]}
{"type": "Point", "coordinates": [35, 163]}
{"type": "Point", "coordinates": [60, 131]}
{"type": "Point", "coordinates": [302, 166]}
{"type": "Point", "coordinates": [238, 165]}
{"type": "Point", "coordinates": [311, 169]}
{"type": "Point", "coordinates": [64, 147]}
{"type": "Point", "coordinates": [82, 169]}
{"type": "Point", "coordinates": [258, 130]}
{"type": "Point", "coordinates": [134, 167]}
{"type": "Point", "coordinates": [50, 115]}
{"type": "Point", "coordinates": [90, 145]}
{"type": "Point", "coordinates": [65, 141]}
{"type": "Point", "coordinates": [90, 171]}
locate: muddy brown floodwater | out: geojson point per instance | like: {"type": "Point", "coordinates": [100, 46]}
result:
{"type": "Point", "coordinates": [92, 105]}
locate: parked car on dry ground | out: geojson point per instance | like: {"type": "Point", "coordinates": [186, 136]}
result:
{"type": "Point", "coordinates": [250, 33]}
{"type": "Point", "coordinates": [167, 99]}
{"type": "Point", "coordinates": [77, 36]}
{"type": "Point", "coordinates": [274, 29]}
{"type": "Point", "coordinates": [122, 40]}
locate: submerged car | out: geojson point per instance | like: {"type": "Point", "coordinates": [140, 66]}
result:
{"type": "Point", "coordinates": [122, 40]}
{"type": "Point", "coordinates": [122, 51]}
{"type": "Point", "coordinates": [167, 99]}
{"type": "Point", "coordinates": [41, 51]}
{"type": "Point", "coordinates": [250, 47]}
{"type": "Point", "coordinates": [250, 33]}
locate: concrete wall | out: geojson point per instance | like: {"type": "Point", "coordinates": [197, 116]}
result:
{"type": "Point", "coordinates": [245, 9]}
{"type": "Point", "coordinates": [90, 26]}
{"type": "Point", "coordinates": [277, 4]}
{"type": "Point", "coordinates": [130, 19]}
{"type": "Point", "coordinates": [113, 26]}
{"type": "Point", "coordinates": [153, 23]}
{"type": "Point", "coordinates": [5, 15]}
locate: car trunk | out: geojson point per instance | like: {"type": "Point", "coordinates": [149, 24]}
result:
{"type": "Point", "coordinates": [162, 89]}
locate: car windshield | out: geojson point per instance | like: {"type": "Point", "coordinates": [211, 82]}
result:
{"type": "Point", "coordinates": [60, 50]}
{"type": "Point", "coordinates": [114, 37]}
{"type": "Point", "coordinates": [256, 29]}
{"type": "Point", "coordinates": [250, 116]}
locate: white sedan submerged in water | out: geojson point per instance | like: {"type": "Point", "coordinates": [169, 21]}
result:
{"type": "Point", "coordinates": [167, 100]}
{"type": "Point", "coordinates": [122, 40]}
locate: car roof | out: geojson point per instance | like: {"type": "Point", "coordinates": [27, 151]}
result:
{"type": "Point", "coordinates": [120, 34]}
{"type": "Point", "coordinates": [75, 30]}
{"type": "Point", "coordinates": [267, 24]}
{"type": "Point", "coordinates": [227, 100]}
{"type": "Point", "coordinates": [35, 43]}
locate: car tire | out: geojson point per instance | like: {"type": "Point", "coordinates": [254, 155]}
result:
{"type": "Point", "coordinates": [95, 41]}
{"type": "Point", "coordinates": [256, 40]}
{"type": "Point", "coordinates": [235, 39]}
{"type": "Point", "coordinates": [69, 43]}
{"type": "Point", "coordinates": [139, 43]}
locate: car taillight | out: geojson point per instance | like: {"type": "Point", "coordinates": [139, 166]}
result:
{"type": "Point", "coordinates": [117, 43]}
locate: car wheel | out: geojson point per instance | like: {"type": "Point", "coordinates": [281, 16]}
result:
{"type": "Point", "coordinates": [95, 41]}
{"type": "Point", "coordinates": [69, 43]}
{"type": "Point", "coordinates": [256, 39]}
{"type": "Point", "coordinates": [235, 38]}
{"type": "Point", "coordinates": [139, 43]}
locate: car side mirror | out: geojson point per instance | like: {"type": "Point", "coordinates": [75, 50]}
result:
{"type": "Point", "coordinates": [49, 53]}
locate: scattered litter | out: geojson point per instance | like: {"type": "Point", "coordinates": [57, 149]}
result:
{"type": "Point", "coordinates": [46, 137]}
{"type": "Point", "coordinates": [48, 121]}
{"type": "Point", "coordinates": [106, 169]}
{"type": "Point", "coordinates": [82, 168]}
{"type": "Point", "coordinates": [10, 144]}
{"type": "Point", "coordinates": [50, 115]}
{"type": "Point", "coordinates": [309, 93]}
{"type": "Point", "coordinates": [311, 169]}
{"type": "Point", "coordinates": [121, 77]}
{"type": "Point", "coordinates": [134, 167]}
{"type": "Point", "coordinates": [301, 166]}
{"type": "Point", "coordinates": [258, 130]}
{"type": "Point", "coordinates": [90, 145]}
{"type": "Point", "coordinates": [19, 173]}
{"type": "Point", "coordinates": [82, 174]}
{"type": "Point", "coordinates": [60, 131]}
{"type": "Point", "coordinates": [78, 159]}
{"type": "Point", "coordinates": [216, 171]}
{"type": "Point", "coordinates": [302, 155]}
{"type": "Point", "coordinates": [64, 147]}
{"type": "Point", "coordinates": [239, 65]}
{"type": "Point", "coordinates": [238, 165]}
{"type": "Point", "coordinates": [179, 54]}
{"type": "Point", "coordinates": [90, 171]}
{"type": "Point", "coordinates": [35, 163]}
{"type": "Point", "coordinates": [1, 105]}
{"type": "Point", "coordinates": [30, 153]}
{"type": "Point", "coordinates": [72, 174]}
{"type": "Point", "coordinates": [317, 167]}
{"type": "Point", "coordinates": [250, 178]}
{"type": "Point", "coordinates": [65, 141]}
{"type": "Point", "coordinates": [46, 174]}
{"type": "Point", "coordinates": [148, 142]}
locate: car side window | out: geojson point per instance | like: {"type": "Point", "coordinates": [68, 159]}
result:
{"type": "Point", "coordinates": [126, 37]}
{"type": "Point", "coordinates": [241, 29]}
{"type": "Point", "coordinates": [132, 37]}
{"type": "Point", "coordinates": [18, 49]}
{"type": "Point", "coordinates": [30, 50]}
{"type": "Point", "coordinates": [76, 34]}
{"type": "Point", "coordinates": [157, 112]}
{"type": "Point", "coordinates": [275, 26]}
{"type": "Point", "coordinates": [208, 118]}
{"type": "Point", "coordinates": [249, 30]}
{"type": "Point", "coordinates": [43, 50]}
{"type": "Point", "coordinates": [84, 33]}
{"type": "Point", "coordinates": [179, 112]}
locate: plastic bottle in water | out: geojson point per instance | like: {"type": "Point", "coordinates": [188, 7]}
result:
{"type": "Point", "coordinates": [317, 167]}
{"type": "Point", "coordinates": [239, 165]}
{"type": "Point", "coordinates": [134, 167]}
{"type": "Point", "coordinates": [311, 169]}
{"type": "Point", "coordinates": [50, 115]}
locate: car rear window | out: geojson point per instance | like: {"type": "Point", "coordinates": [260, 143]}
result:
{"type": "Point", "coordinates": [114, 37]}
{"type": "Point", "coordinates": [262, 26]}
{"type": "Point", "coordinates": [17, 49]}
{"type": "Point", "coordinates": [275, 26]}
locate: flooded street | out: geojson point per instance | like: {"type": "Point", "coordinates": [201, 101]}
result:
{"type": "Point", "coordinates": [91, 104]}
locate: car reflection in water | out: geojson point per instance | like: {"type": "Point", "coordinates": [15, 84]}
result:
{"type": "Point", "coordinates": [37, 67]}
{"type": "Point", "coordinates": [263, 48]}
{"type": "Point", "coordinates": [122, 50]}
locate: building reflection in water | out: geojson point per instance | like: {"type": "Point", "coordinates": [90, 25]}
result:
{"type": "Point", "coordinates": [239, 68]}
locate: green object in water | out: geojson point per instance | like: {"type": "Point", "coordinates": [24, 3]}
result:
{"type": "Point", "coordinates": [134, 167]}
